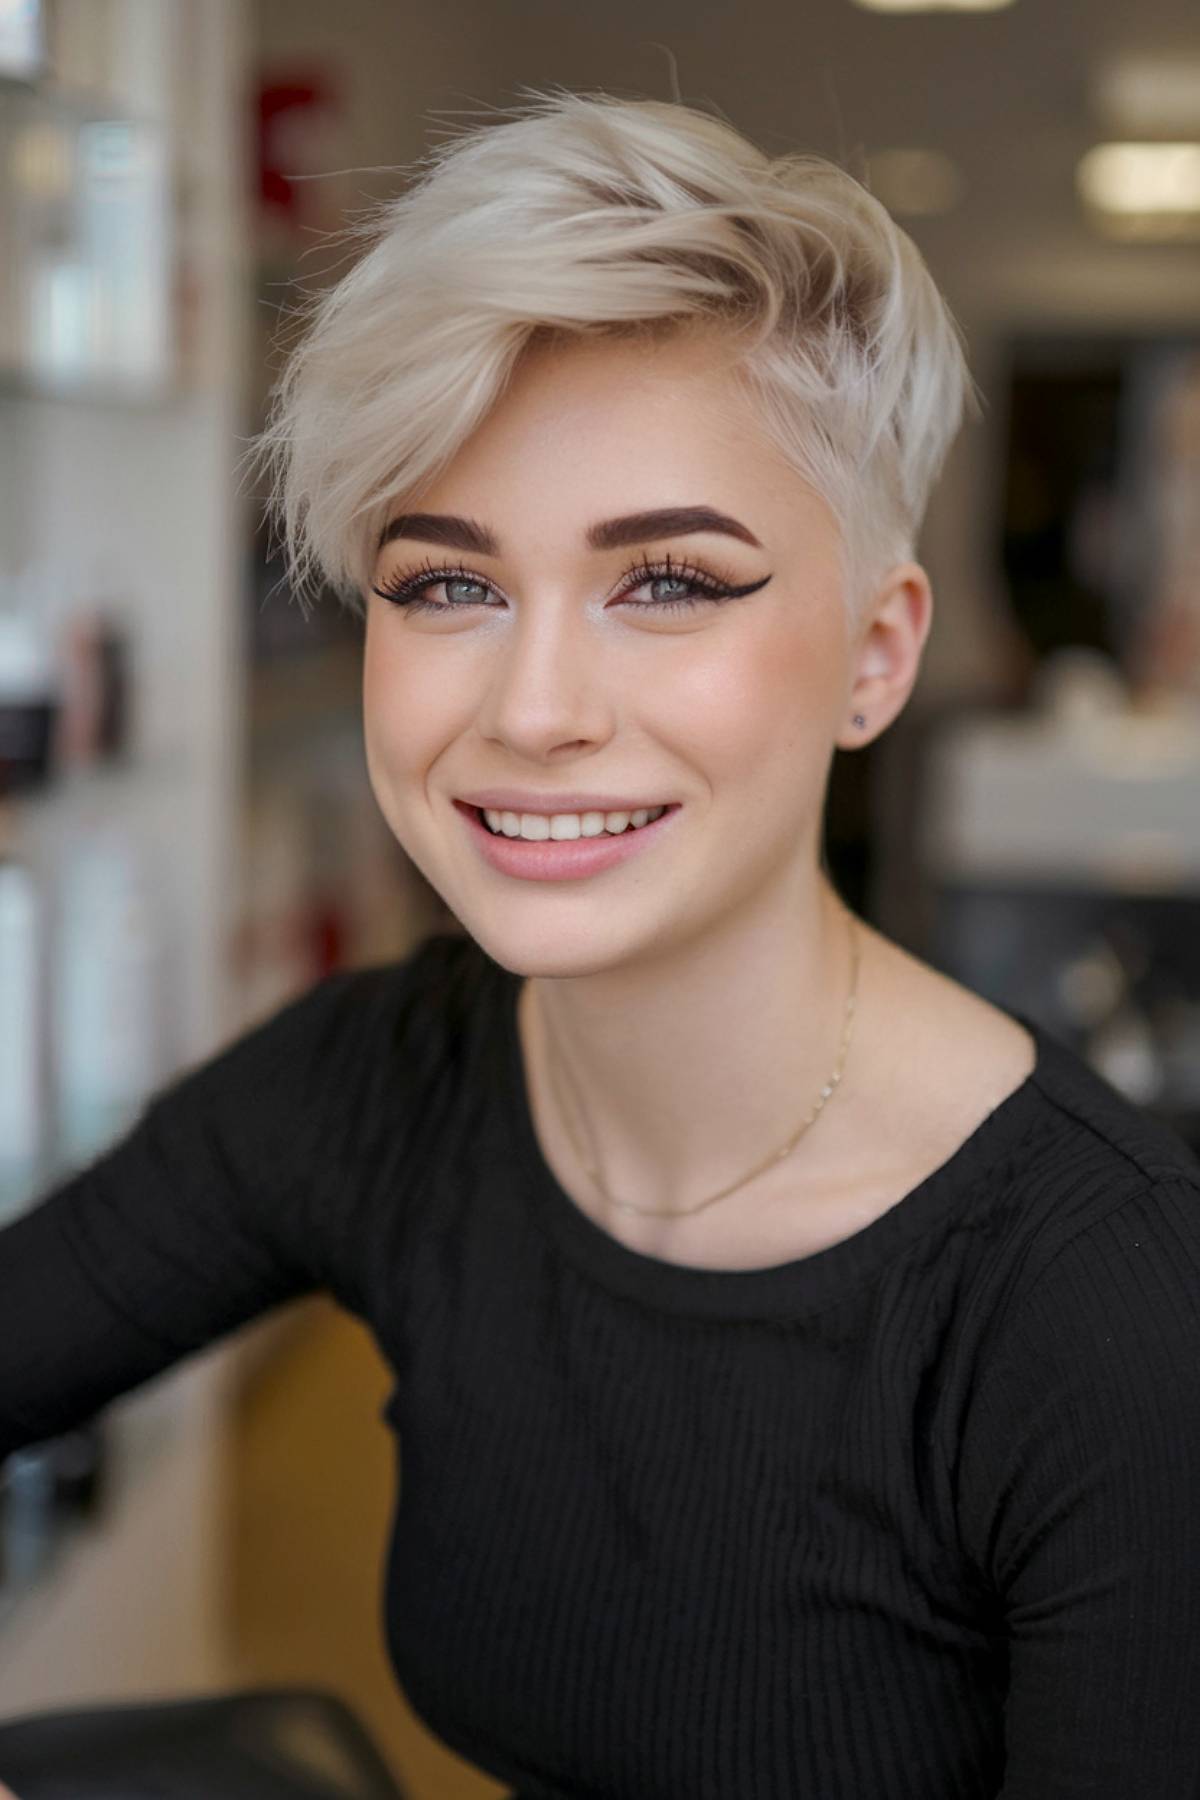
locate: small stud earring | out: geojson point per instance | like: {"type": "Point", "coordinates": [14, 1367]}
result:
{"type": "Point", "coordinates": [859, 720]}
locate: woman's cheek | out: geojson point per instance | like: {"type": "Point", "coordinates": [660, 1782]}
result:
{"type": "Point", "coordinates": [774, 695]}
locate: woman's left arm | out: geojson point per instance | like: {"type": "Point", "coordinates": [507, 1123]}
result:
{"type": "Point", "coordinates": [1079, 1498]}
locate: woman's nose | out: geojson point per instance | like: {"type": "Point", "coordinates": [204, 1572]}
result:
{"type": "Point", "coordinates": [547, 687]}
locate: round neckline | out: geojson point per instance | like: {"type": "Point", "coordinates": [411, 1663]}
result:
{"type": "Point", "coordinates": [804, 1284]}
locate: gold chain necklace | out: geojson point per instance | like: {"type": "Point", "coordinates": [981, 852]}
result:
{"type": "Point", "coordinates": [671, 1212]}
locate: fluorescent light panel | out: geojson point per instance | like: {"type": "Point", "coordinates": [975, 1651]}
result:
{"type": "Point", "coordinates": [928, 6]}
{"type": "Point", "coordinates": [1142, 178]}
{"type": "Point", "coordinates": [1149, 96]}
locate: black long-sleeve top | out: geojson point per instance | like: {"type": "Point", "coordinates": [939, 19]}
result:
{"type": "Point", "coordinates": [916, 1517]}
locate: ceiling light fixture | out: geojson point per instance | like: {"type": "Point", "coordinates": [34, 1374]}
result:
{"type": "Point", "coordinates": [928, 6]}
{"type": "Point", "coordinates": [1143, 190]}
{"type": "Point", "coordinates": [1149, 96]}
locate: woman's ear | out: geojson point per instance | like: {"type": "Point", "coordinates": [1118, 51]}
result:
{"type": "Point", "coordinates": [886, 654]}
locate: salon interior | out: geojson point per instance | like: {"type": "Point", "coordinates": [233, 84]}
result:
{"type": "Point", "coordinates": [189, 838]}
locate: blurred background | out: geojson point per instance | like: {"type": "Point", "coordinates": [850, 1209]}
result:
{"type": "Point", "coordinates": [187, 837]}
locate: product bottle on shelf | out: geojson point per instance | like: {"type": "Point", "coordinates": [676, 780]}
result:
{"type": "Point", "coordinates": [108, 957]}
{"type": "Point", "coordinates": [108, 1025]}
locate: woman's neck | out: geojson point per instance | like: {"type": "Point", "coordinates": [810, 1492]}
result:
{"type": "Point", "coordinates": [679, 1075]}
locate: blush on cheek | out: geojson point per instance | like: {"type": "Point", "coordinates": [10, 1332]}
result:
{"type": "Point", "coordinates": [803, 670]}
{"type": "Point", "coordinates": [775, 689]}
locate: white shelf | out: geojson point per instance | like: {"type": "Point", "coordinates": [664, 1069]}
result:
{"type": "Point", "coordinates": [1110, 802]}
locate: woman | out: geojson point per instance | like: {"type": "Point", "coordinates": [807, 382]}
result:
{"type": "Point", "coordinates": [796, 1355]}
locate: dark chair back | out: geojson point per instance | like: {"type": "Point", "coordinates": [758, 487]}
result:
{"type": "Point", "coordinates": [270, 1744]}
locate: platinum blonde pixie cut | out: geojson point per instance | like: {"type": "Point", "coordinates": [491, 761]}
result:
{"type": "Point", "coordinates": [586, 214]}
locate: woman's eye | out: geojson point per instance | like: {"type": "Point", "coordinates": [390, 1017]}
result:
{"type": "Point", "coordinates": [454, 586]}
{"type": "Point", "coordinates": [674, 589]}
{"type": "Point", "coordinates": [413, 592]}
{"type": "Point", "coordinates": [670, 587]}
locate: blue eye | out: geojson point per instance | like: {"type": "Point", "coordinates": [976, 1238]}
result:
{"type": "Point", "coordinates": [680, 591]}
{"type": "Point", "coordinates": [693, 585]}
{"type": "Point", "coordinates": [458, 581]}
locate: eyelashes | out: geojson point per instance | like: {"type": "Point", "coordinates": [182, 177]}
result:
{"type": "Point", "coordinates": [707, 586]}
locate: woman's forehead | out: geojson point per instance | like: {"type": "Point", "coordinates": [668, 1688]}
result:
{"type": "Point", "coordinates": [597, 430]}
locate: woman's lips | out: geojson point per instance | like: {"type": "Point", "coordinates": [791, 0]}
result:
{"type": "Point", "coordinates": [561, 859]}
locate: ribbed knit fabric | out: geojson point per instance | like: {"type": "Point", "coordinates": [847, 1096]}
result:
{"type": "Point", "coordinates": [916, 1517]}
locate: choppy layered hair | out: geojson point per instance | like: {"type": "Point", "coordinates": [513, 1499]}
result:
{"type": "Point", "coordinates": [587, 214]}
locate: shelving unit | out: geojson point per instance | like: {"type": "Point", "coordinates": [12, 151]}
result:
{"type": "Point", "coordinates": [128, 496]}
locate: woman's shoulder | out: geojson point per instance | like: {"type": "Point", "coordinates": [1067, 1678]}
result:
{"type": "Point", "coordinates": [1077, 1427]}
{"type": "Point", "coordinates": [1080, 1306]}
{"type": "Point", "coordinates": [1089, 1272]}
{"type": "Point", "coordinates": [1100, 1112]}
{"type": "Point", "coordinates": [1071, 1154]}
{"type": "Point", "coordinates": [1055, 1124]}
{"type": "Point", "coordinates": [1090, 1218]}
{"type": "Point", "coordinates": [1055, 1163]}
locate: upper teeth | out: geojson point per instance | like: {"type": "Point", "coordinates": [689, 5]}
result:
{"type": "Point", "coordinates": [568, 825]}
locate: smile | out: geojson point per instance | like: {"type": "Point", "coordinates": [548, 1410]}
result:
{"type": "Point", "coordinates": [564, 846]}
{"type": "Point", "coordinates": [537, 827]}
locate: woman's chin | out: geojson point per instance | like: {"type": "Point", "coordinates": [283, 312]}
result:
{"type": "Point", "coordinates": [556, 949]}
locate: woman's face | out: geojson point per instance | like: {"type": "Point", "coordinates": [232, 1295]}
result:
{"type": "Point", "coordinates": [544, 664]}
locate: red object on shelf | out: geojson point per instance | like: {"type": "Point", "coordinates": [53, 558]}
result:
{"type": "Point", "coordinates": [295, 117]}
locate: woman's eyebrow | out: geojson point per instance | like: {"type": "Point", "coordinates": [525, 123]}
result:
{"type": "Point", "coordinates": [609, 534]}
{"type": "Point", "coordinates": [666, 521]}
{"type": "Point", "coordinates": [442, 528]}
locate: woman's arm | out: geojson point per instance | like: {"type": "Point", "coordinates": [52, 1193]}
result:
{"type": "Point", "coordinates": [144, 1256]}
{"type": "Point", "coordinates": [203, 1216]}
{"type": "Point", "coordinates": [1080, 1505]}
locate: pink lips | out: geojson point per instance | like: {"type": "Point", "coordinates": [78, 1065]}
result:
{"type": "Point", "coordinates": [561, 859]}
